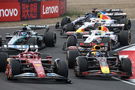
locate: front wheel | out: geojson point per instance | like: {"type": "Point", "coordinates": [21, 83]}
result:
{"type": "Point", "coordinates": [13, 68]}
{"type": "Point", "coordinates": [80, 66]}
{"type": "Point", "coordinates": [61, 68]}
{"type": "Point", "coordinates": [3, 61]}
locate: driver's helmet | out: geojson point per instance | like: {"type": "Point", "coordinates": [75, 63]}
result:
{"type": "Point", "coordinates": [103, 28]}
{"type": "Point", "coordinates": [98, 54]}
{"type": "Point", "coordinates": [23, 33]}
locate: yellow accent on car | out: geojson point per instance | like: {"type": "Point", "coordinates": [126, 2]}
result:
{"type": "Point", "coordinates": [105, 70]}
{"type": "Point", "coordinates": [79, 30]}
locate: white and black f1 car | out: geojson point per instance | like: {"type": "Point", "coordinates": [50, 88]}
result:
{"type": "Point", "coordinates": [28, 38]}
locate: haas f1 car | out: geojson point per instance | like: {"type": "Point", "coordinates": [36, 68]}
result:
{"type": "Point", "coordinates": [33, 65]}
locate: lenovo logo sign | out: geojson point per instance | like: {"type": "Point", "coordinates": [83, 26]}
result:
{"type": "Point", "coordinates": [50, 9]}
{"type": "Point", "coordinates": [8, 12]}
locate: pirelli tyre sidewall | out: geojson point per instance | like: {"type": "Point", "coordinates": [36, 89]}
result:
{"type": "Point", "coordinates": [71, 57]}
{"type": "Point", "coordinates": [71, 41]}
{"type": "Point", "coordinates": [61, 68]}
{"type": "Point", "coordinates": [0, 41]}
{"type": "Point", "coordinates": [50, 39]}
{"type": "Point", "coordinates": [126, 66]}
{"type": "Point", "coordinates": [3, 61]}
{"type": "Point", "coordinates": [81, 65]}
{"type": "Point", "coordinates": [124, 37]}
{"type": "Point", "coordinates": [13, 68]}
{"type": "Point", "coordinates": [65, 21]}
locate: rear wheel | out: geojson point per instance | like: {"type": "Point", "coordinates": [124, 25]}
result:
{"type": "Point", "coordinates": [128, 25]}
{"type": "Point", "coordinates": [0, 41]}
{"type": "Point", "coordinates": [50, 39]}
{"type": "Point", "coordinates": [71, 41]}
{"type": "Point", "coordinates": [124, 37]}
{"type": "Point", "coordinates": [69, 27]}
{"type": "Point", "coordinates": [13, 68]}
{"type": "Point", "coordinates": [126, 66]}
{"type": "Point", "coordinates": [65, 21]}
{"type": "Point", "coordinates": [3, 61]}
{"type": "Point", "coordinates": [80, 66]}
{"type": "Point", "coordinates": [71, 57]}
{"type": "Point", "coordinates": [61, 68]}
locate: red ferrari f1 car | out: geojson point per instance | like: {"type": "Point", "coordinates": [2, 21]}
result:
{"type": "Point", "coordinates": [32, 64]}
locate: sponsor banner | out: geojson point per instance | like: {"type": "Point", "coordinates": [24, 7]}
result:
{"type": "Point", "coordinates": [9, 11]}
{"type": "Point", "coordinates": [30, 11]}
{"type": "Point", "coordinates": [8, 0]}
{"type": "Point", "coordinates": [49, 9]}
{"type": "Point", "coordinates": [26, 1]}
{"type": "Point", "coordinates": [62, 6]}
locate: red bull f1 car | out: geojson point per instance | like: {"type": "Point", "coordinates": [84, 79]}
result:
{"type": "Point", "coordinates": [100, 63]}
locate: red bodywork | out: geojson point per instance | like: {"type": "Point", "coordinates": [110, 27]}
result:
{"type": "Point", "coordinates": [34, 59]}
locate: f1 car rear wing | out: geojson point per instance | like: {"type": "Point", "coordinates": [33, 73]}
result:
{"type": "Point", "coordinates": [116, 14]}
{"type": "Point", "coordinates": [113, 10]}
{"type": "Point", "coordinates": [114, 27]}
{"type": "Point", "coordinates": [36, 27]}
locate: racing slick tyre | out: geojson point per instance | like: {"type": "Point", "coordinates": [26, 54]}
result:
{"type": "Point", "coordinates": [80, 66]}
{"type": "Point", "coordinates": [3, 61]}
{"type": "Point", "coordinates": [127, 25]}
{"type": "Point", "coordinates": [69, 27]}
{"type": "Point", "coordinates": [61, 68]}
{"type": "Point", "coordinates": [124, 37]}
{"type": "Point", "coordinates": [57, 25]}
{"type": "Point", "coordinates": [0, 41]}
{"type": "Point", "coordinates": [71, 41]}
{"type": "Point", "coordinates": [71, 57]}
{"type": "Point", "coordinates": [126, 66]}
{"type": "Point", "coordinates": [13, 68]}
{"type": "Point", "coordinates": [65, 21]}
{"type": "Point", "coordinates": [50, 39]}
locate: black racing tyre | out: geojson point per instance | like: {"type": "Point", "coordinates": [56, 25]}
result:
{"type": "Point", "coordinates": [3, 61]}
{"type": "Point", "coordinates": [71, 41]}
{"type": "Point", "coordinates": [15, 68]}
{"type": "Point", "coordinates": [126, 66]}
{"type": "Point", "coordinates": [127, 25]}
{"type": "Point", "coordinates": [69, 27]}
{"type": "Point", "coordinates": [124, 37]}
{"type": "Point", "coordinates": [50, 39]}
{"type": "Point", "coordinates": [65, 21]}
{"type": "Point", "coordinates": [71, 57]}
{"type": "Point", "coordinates": [32, 41]}
{"type": "Point", "coordinates": [81, 66]}
{"type": "Point", "coordinates": [57, 25]}
{"type": "Point", "coordinates": [0, 41]}
{"type": "Point", "coordinates": [40, 44]}
{"type": "Point", "coordinates": [61, 68]}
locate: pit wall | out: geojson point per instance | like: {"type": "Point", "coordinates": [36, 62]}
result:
{"type": "Point", "coordinates": [17, 10]}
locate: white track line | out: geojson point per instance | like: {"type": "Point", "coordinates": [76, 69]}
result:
{"type": "Point", "coordinates": [127, 82]}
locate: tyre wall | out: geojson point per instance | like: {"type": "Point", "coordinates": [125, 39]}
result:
{"type": "Point", "coordinates": [17, 10]}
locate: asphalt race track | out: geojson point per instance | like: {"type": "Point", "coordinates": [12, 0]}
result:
{"type": "Point", "coordinates": [90, 83]}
